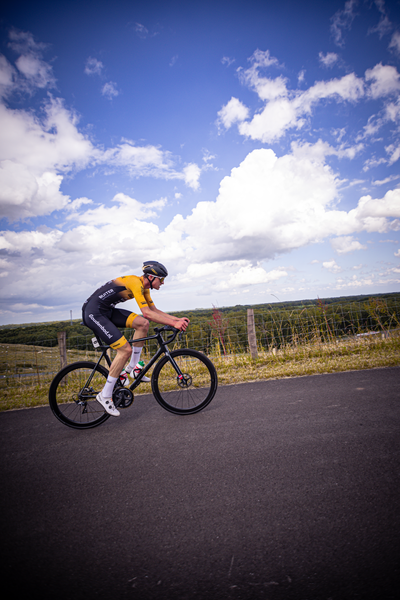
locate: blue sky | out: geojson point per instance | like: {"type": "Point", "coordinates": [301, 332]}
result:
{"type": "Point", "coordinates": [252, 147]}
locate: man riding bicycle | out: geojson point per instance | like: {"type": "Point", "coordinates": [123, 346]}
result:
{"type": "Point", "coordinates": [100, 315]}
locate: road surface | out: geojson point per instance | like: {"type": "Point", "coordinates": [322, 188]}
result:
{"type": "Point", "coordinates": [284, 489]}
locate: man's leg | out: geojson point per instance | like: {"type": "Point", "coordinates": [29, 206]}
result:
{"type": "Point", "coordinates": [105, 396]}
{"type": "Point", "coordinates": [120, 360]}
{"type": "Point", "coordinates": [141, 327]}
{"type": "Point", "coordinates": [124, 319]}
{"type": "Point", "coordinates": [102, 324]}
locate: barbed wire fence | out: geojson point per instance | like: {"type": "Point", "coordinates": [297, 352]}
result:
{"type": "Point", "coordinates": [249, 332]}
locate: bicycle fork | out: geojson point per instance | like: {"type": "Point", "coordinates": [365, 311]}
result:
{"type": "Point", "coordinates": [184, 380]}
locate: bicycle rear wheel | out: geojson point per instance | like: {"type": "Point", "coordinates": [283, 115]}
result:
{"type": "Point", "coordinates": [72, 397]}
{"type": "Point", "coordinates": [194, 392]}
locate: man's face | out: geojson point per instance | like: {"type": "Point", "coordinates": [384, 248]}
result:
{"type": "Point", "coordinates": [157, 282]}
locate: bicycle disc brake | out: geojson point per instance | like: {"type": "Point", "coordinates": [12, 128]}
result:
{"type": "Point", "coordinates": [184, 381]}
{"type": "Point", "coordinates": [122, 397]}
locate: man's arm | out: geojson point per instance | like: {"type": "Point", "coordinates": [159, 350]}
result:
{"type": "Point", "coordinates": [158, 316]}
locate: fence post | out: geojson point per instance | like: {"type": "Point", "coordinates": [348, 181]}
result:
{"type": "Point", "coordinates": [62, 344]}
{"type": "Point", "coordinates": [251, 333]}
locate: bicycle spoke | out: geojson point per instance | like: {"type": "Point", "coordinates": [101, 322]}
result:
{"type": "Point", "coordinates": [72, 402]}
{"type": "Point", "coordinates": [191, 393]}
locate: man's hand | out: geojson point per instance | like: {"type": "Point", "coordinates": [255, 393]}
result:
{"type": "Point", "coordinates": [181, 324]}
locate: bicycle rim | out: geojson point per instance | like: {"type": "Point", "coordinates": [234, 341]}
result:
{"type": "Point", "coordinates": [191, 396]}
{"type": "Point", "coordinates": [74, 404]}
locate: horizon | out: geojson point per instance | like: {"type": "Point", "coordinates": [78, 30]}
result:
{"type": "Point", "coordinates": [347, 299]}
{"type": "Point", "coordinates": [253, 148]}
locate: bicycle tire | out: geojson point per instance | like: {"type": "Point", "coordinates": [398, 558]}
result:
{"type": "Point", "coordinates": [70, 403]}
{"type": "Point", "coordinates": [179, 398]}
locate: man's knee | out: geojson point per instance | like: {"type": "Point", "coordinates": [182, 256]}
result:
{"type": "Point", "coordinates": [142, 324]}
{"type": "Point", "coordinates": [125, 350]}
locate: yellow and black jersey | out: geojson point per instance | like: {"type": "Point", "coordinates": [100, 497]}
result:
{"type": "Point", "coordinates": [122, 289]}
{"type": "Point", "coordinates": [99, 312]}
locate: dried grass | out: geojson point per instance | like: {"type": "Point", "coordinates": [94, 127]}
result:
{"type": "Point", "coordinates": [26, 371]}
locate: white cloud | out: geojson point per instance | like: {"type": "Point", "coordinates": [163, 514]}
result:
{"type": "Point", "coordinates": [395, 42]}
{"type": "Point", "coordinates": [226, 60]}
{"type": "Point", "coordinates": [233, 112]}
{"type": "Point", "coordinates": [23, 42]}
{"type": "Point", "coordinates": [270, 205]}
{"type": "Point", "coordinates": [109, 90]}
{"type": "Point", "coordinates": [38, 149]}
{"type": "Point", "coordinates": [346, 244]}
{"type": "Point", "coordinates": [376, 214]}
{"type": "Point", "coordinates": [320, 150]}
{"type": "Point", "coordinates": [126, 210]}
{"type": "Point", "coordinates": [301, 77]}
{"type": "Point", "coordinates": [93, 66]}
{"type": "Point", "coordinates": [284, 109]}
{"type": "Point", "coordinates": [394, 152]}
{"type": "Point", "coordinates": [392, 111]}
{"type": "Point", "coordinates": [34, 155]}
{"type": "Point", "coordinates": [24, 195]}
{"type": "Point", "coordinates": [149, 161]}
{"type": "Point", "coordinates": [31, 73]}
{"type": "Point", "coordinates": [397, 253]}
{"type": "Point", "coordinates": [331, 266]}
{"type": "Point", "coordinates": [267, 206]}
{"type": "Point", "coordinates": [356, 283]}
{"type": "Point", "coordinates": [141, 30]}
{"type": "Point", "coordinates": [386, 180]}
{"type": "Point", "coordinates": [34, 72]}
{"type": "Point", "coordinates": [139, 160]}
{"type": "Point", "coordinates": [328, 59]}
{"type": "Point", "coordinates": [374, 162]}
{"type": "Point", "coordinates": [342, 20]}
{"type": "Point", "coordinates": [7, 76]}
{"type": "Point", "coordinates": [385, 80]}
{"type": "Point", "coordinates": [384, 26]}
{"type": "Point", "coordinates": [191, 174]}
{"type": "Point", "coordinates": [247, 275]}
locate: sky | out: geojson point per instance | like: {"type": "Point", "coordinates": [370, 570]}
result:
{"type": "Point", "coordinates": [253, 147]}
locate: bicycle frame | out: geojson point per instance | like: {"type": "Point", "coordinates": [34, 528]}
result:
{"type": "Point", "coordinates": [163, 349]}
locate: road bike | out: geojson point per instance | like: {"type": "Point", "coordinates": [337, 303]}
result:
{"type": "Point", "coordinates": [183, 382]}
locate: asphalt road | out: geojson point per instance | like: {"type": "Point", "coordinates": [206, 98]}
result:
{"type": "Point", "coordinates": [285, 490]}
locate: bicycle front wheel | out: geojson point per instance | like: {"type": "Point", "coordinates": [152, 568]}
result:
{"type": "Point", "coordinates": [192, 393]}
{"type": "Point", "coordinates": [72, 395]}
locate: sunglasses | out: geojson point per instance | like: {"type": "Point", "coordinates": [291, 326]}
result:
{"type": "Point", "coordinates": [160, 278]}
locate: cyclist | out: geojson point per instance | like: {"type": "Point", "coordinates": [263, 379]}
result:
{"type": "Point", "coordinates": [100, 315]}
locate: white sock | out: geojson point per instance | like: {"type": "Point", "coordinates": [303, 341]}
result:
{"type": "Point", "coordinates": [108, 388]}
{"type": "Point", "coordinates": [135, 357]}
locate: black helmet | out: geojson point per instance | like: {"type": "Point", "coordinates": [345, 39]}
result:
{"type": "Point", "coordinates": [152, 267]}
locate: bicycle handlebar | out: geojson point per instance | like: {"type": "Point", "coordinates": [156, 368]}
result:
{"type": "Point", "coordinates": [174, 330]}
{"type": "Point", "coordinates": [165, 328]}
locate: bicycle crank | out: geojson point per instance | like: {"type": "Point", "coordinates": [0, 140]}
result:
{"type": "Point", "coordinates": [122, 397]}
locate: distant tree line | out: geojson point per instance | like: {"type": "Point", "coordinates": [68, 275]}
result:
{"type": "Point", "coordinates": [225, 329]}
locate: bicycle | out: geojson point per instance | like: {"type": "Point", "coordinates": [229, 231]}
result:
{"type": "Point", "coordinates": [183, 382]}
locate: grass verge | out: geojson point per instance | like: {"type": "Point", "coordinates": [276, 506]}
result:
{"type": "Point", "coordinates": [351, 355]}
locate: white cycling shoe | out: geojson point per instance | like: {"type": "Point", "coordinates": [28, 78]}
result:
{"type": "Point", "coordinates": [108, 405]}
{"type": "Point", "coordinates": [124, 376]}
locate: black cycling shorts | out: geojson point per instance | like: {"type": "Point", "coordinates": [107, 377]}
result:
{"type": "Point", "coordinates": [106, 322]}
